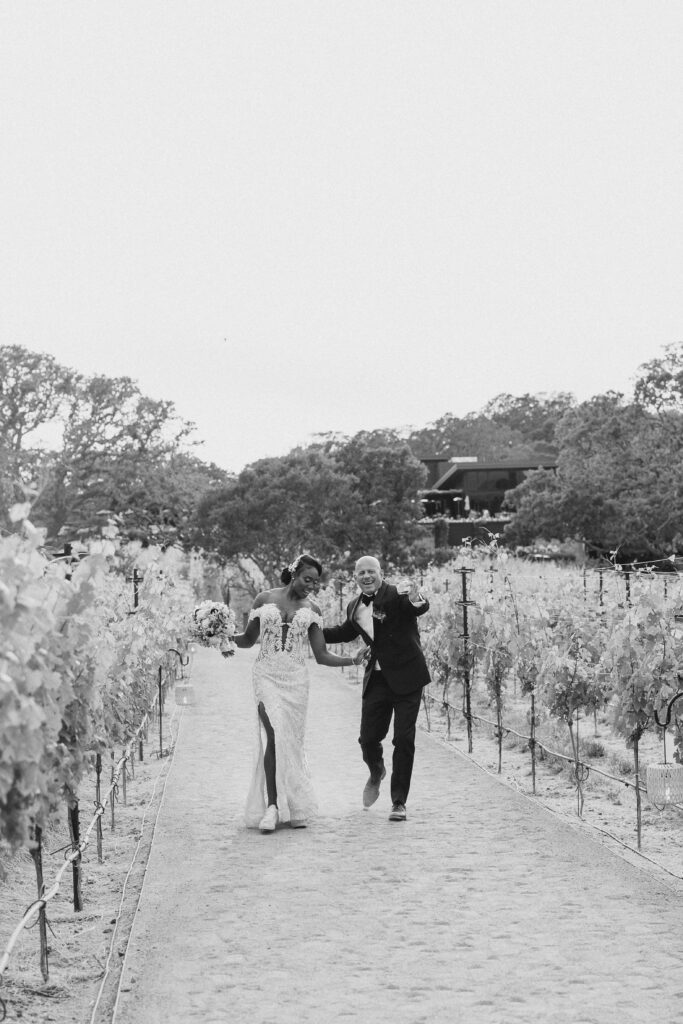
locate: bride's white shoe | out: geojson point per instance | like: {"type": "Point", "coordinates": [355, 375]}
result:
{"type": "Point", "coordinates": [268, 822]}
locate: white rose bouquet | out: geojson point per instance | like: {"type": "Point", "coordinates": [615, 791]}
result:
{"type": "Point", "coordinates": [213, 625]}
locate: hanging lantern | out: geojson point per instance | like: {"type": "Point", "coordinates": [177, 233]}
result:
{"type": "Point", "coordinates": [665, 784]}
{"type": "Point", "coordinates": [184, 693]}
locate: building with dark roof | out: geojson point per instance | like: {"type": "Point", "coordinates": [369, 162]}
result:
{"type": "Point", "coordinates": [468, 494]}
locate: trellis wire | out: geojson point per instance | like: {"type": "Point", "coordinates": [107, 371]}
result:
{"type": "Point", "coordinates": [105, 974]}
{"type": "Point", "coordinates": [625, 572]}
{"type": "Point", "coordinates": [637, 786]}
{"type": "Point", "coordinates": [38, 905]}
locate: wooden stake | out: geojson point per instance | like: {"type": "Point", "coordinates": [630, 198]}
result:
{"type": "Point", "coordinates": [98, 801]}
{"type": "Point", "coordinates": [532, 742]}
{"type": "Point", "coordinates": [466, 658]}
{"type": "Point", "coordinates": [75, 836]}
{"type": "Point", "coordinates": [112, 794]}
{"type": "Point", "coordinates": [37, 855]}
{"type": "Point", "coordinates": [636, 762]}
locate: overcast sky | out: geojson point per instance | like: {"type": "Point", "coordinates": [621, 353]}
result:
{"type": "Point", "coordinates": [292, 218]}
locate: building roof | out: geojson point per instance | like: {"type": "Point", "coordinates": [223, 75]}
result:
{"type": "Point", "coordinates": [473, 467]}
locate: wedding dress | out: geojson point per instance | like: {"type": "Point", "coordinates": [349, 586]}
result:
{"type": "Point", "coordinates": [280, 680]}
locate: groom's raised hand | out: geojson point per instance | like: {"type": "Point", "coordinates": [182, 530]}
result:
{"type": "Point", "coordinates": [405, 586]}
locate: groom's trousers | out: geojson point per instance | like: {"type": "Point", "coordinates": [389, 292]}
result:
{"type": "Point", "coordinates": [379, 703]}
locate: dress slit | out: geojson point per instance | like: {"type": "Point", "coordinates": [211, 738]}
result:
{"type": "Point", "coordinates": [281, 685]}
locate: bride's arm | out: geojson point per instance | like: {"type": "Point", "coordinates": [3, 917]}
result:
{"type": "Point", "coordinates": [251, 633]}
{"type": "Point", "coordinates": [325, 657]}
{"type": "Point", "coordinates": [249, 637]}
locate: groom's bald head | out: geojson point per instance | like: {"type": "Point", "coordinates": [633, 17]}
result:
{"type": "Point", "coordinates": [368, 574]}
{"type": "Point", "coordinates": [369, 562]}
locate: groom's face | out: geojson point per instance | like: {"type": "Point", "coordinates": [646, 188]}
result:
{"type": "Point", "coordinates": [368, 574]}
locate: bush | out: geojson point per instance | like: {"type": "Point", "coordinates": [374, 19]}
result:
{"type": "Point", "coordinates": [592, 748]}
{"type": "Point", "coordinates": [622, 764]}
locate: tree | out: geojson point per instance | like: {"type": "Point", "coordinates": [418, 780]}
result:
{"type": "Point", "coordinates": [472, 435]}
{"type": "Point", "coordinates": [508, 427]}
{"type": "Point", "coordinates": [539, 506]}
{"type": "Point", "coordinates": [157, 501]}
{"type": "Point", "coordinates": [619, 483]}
{"type": "Point", "coordinates": [534, 417]}
{"type": "Point", "coordinates": [660, 385]}
{"type": "Point", "coordinates": [337, 498]}
{"type": "Point", "coordinates": [113, 438]}
{"type": "Point", "coordinates": [34, 390]}
{"type": "Point", "coordinates": [388, 477]}
{"type": "Point", "coordinates": [112, 450]}
{"type": "Point", "coordinates": [279, 507]}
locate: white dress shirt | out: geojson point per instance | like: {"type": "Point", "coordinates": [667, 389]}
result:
{"type": "Point", "coordinates": [364, 618]}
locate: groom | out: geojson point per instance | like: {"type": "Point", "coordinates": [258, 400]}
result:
{"type": "Point", "coordinates": [385, 616]}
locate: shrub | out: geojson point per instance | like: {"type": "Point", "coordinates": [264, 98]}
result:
{"type": "Point", "coordinates": [592, 748]}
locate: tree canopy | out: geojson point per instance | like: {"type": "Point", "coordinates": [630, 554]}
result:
{"type": "Point", "coordinates": [89, 450]}
{"type": "Point", "coordinates": [507, 428]}
{"type": "Point", "coordinates": [619, 480]}
{"type": "Point", "coordinates": [111, 452]}
{"type": "Point", "coordinates": [337, 499]}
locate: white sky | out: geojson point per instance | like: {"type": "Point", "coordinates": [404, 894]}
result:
{"type": "Point", "coordinates": [290, 218]}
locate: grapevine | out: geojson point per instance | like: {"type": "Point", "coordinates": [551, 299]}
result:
{"type": "Point", "coordinates": [76, 670]}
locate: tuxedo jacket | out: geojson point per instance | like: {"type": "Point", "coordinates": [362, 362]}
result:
{"type": "Point", "coordinates": [396, 643]}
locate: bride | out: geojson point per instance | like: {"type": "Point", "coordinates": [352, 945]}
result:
{"type": "Point", "coordinates": [285, 618]}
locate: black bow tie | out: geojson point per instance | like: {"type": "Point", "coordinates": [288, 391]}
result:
{"type": "Point", "coordinates": [367, 599]}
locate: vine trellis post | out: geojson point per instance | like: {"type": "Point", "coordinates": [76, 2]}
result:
{"type": "Point", "coordinates": [465, 604]}
{"type": "Point", "coordinates": [579, 778]}
{"type": "Point", "coordinates": [112, 795]}
{"type": "Point", "coordinates": [636, 765]}
{"type": "Point", "coordinates": [75, 836]}
{"type": "Point", "coordinates": [37, 857]}
{"type": "Point", "coordinates": [532, 741]}
{"type": "Point", "coordinates": [98, 803]}
{"type": "Point", "coordinates": [160, 709]}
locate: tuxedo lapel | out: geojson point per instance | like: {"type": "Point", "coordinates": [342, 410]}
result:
{"type": "Point", "coordinates": [378, 607]}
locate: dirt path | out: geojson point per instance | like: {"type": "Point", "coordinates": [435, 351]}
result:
{"type": "Point", "coordinates": [481, 908]}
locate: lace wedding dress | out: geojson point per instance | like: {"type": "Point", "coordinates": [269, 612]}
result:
{"type": "Point", "coordinates": [281, 682]}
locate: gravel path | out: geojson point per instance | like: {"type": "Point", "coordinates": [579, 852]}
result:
{"type": "Point", "coordinates": [482, 908]}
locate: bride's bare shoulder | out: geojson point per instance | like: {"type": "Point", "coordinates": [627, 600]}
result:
{"type": "Point", "coordinates": [269, 597]}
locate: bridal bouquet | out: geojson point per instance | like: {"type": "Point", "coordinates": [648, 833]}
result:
{"type": "Point", "coordinates": [213, 624]}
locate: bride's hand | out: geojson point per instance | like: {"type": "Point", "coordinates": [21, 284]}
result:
{"type": "Point", "coordinates": [360, 656]}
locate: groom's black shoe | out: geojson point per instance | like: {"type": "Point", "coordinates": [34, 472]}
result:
{"type": "Point", "coordinates": [371, 791]}
{"type": "Point", "coordinates": [398, 813]}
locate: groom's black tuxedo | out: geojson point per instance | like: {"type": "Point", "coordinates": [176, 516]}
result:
{"type": "Point", "coordinates": [396, 643]}
{"type": "Point", "coordinates": [393, 681]}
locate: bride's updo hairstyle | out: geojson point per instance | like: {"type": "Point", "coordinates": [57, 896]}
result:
{"type": "Point", "coordinates": [294, 568]}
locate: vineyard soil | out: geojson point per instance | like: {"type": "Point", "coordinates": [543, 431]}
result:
{"type": "Point", "coordinates": [609, 805]}
{"type": "Point", "coordinates": [86, 948]}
